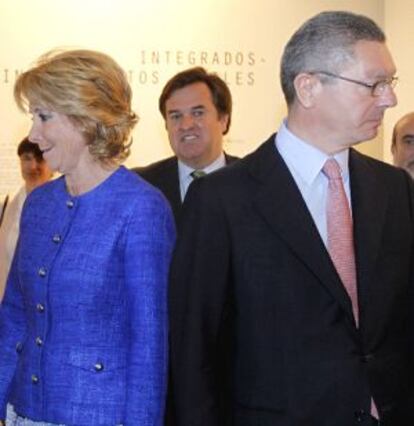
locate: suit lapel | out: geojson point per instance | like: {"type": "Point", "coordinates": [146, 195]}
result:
{"type": "Point", "coordinates": [369, 202]}
{"type": "Point", "coordinates": [280, 203]}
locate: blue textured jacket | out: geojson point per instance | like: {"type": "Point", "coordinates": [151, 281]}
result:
{"type": "Point", "coordinates": [83, 326]}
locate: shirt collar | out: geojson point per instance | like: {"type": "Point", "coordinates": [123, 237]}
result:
{"type": "Point", "coordinates": [184, 170]}
{"type": "Point", "coordinates": [304, 158]}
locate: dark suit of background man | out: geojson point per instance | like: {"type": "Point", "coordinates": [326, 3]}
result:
{"type": "Point", "coordinates": [196, 106]}
{"type": "Point", "coordinates": [402, 146]}
{"type": "Point", "coordinates": [252, 266]}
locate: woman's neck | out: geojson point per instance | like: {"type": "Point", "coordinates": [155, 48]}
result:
{"type": "Point", "coordinates": [79, 183]}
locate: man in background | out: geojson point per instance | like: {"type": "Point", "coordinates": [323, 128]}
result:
{"type": "Point", "coordinates": [300, 256]}
{"type": "Point", "coordinates": [35, 172]}
{"type": "Point", "coordinates": [402, 147]}
{"type": "Point", "coordinates": [196, 106]}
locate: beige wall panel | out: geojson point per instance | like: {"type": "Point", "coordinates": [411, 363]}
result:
{"type": "Point", "coordinates": [152, 40]}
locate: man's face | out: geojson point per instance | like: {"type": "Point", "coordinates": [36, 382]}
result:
{"type": "Point", "coordinates": [403, 149]}
{"type": "Point", "coordinates": [194, 127]}
{"type": "Point", "coordinates": [348, 113]}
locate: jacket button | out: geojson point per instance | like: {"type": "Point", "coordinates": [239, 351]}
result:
{"type": "Point", "coordinates": [42, 271]}
{"type": "Point", "coordinates": [39, 341]}
{"type": "Point", "coordinates": [35, 379]}
{"type": "Point", "coordinates": [40, 308]}
{"type": "Point", "coordinates": [19, 347]}
{"type": "Point", "coordinates": [98, 367]}
{"type": "Point", "coordinates": [56, 238]}
{"type": "Point", "coordinates": [367, 357]}
{"type": "Point", "coordinates": [69, 204]}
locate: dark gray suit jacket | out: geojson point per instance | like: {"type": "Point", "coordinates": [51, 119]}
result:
{"type": "Point", "coordinates": [262, 331]}
{"type": "Point", "coordinates": [164, 175]}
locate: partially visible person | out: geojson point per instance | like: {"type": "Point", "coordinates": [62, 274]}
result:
{"type": "Point", "coordinates": [83, 324]}
{"type": "Point", "coordinates": [3, 206]}
{"type": "Point", "coordinates": [35, 172]}
{"type": "Point", "coordinates": [402, 146]}
{"type": "Point", "coordinates": [300, 256]}
{"type": "Point", "coordinates": [196, 106]}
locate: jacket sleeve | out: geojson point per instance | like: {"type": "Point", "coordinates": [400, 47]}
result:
{"type": "Point", "coordinates": [198, 297]}
{"type": "Point", "coordinates": [149, 242]}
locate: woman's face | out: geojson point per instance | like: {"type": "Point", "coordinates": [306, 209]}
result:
{"type": "Point", "coordinates": [61, 142]}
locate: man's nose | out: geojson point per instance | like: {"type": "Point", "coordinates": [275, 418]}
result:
{"type": "Point", "coordinates": [388, 97]}
{"type": "Point", "coordinates": [187, 121]}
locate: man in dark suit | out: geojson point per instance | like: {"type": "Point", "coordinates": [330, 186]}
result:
{"type": "Point", "coordinates": [291, 294]}
{"type": "Point", "coordinates": [196, 106]}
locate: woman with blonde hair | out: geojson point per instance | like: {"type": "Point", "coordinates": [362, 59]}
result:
{"type": "Point", "coordinates": [83, 325]}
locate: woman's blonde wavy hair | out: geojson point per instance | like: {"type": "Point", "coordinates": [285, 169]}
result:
{"type": "Point", "coordinates": [92, 90]}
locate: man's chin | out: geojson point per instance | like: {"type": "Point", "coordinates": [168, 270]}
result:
{"type": "Point", "coordinates": [372, 134]}
{"type": "Point", "coordinates": [367, 136]}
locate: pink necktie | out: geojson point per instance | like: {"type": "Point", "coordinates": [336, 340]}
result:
{"type": "Point", "coordinates": [340, 232]}
{"type": "Point", "coordinates": [340, 238]}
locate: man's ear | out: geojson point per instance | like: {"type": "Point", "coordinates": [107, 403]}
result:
{"type": "Point", "coordinates": [224, 120]}
{"type": "Point", "coordinates": [306, 86]}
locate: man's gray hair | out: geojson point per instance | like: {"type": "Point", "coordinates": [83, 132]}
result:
{"type": "Point", "coordinates": [324, 43]}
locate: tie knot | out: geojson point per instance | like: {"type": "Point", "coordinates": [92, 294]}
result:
{"type": "Point", "coordinates": [195, 174]}
{"type": "Point", "coordinates": [331, 169]}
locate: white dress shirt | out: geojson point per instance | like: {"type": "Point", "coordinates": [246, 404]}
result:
{"type": "Point", "coordinates": [305, 163]}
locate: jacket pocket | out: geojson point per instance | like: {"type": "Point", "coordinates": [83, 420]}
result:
{"type": "Point", "coordinates": [98, 375]}
{"type": "Point", "coordinates": [97, 360]}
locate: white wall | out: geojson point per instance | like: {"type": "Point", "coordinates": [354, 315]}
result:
{"type": "Point", "coordinates": [242, 40]}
